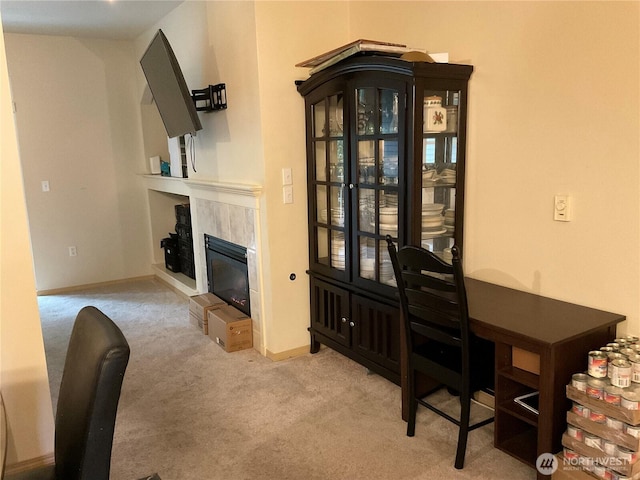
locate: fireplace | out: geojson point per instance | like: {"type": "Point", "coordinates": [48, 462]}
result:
{"type": "Point", "coordinates": [227, 273]}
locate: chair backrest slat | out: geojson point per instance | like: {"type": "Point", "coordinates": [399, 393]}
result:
{"type": "Point", "coordinates": [448, 338]}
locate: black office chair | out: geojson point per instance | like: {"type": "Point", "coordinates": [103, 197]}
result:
{"type": "Point", "coordinates": [94, 368]}
{"type": "Point", "coordinates": [433, 304]}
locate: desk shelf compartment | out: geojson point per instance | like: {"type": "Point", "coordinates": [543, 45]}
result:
{"type": "Point", "coordinates": [516, 430]}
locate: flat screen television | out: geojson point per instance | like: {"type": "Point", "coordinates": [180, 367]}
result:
{"type": "Point", "coordinates": [169, 88]}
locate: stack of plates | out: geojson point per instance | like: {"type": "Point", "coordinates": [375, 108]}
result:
{"type": "Point", "coordinates": [337, 253]}
{"type": "Point", "coordinates": [389, 200]}
{"type": "Point", "coordinates": [388, 229]}
{"type": "Point", "coordinates": [432, 208]}
{"type": "Point", "coordinates": [429, 177]}
{"type": "Point", "coordinates": [432, 220]}
{"type": "Point", "coordinates": [448, 176]}
{"type": "Point", "coordinates": [366, 268]}
{"type": "Point", "coordinates": [386, 271]}
{"type": "Point", "coordinates": [337, 217]}
{"type": "Point", "coordinates": [389, 215]}
{"type": "Point", "coordinates": [449, 219]}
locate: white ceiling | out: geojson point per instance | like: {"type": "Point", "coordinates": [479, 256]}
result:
{"type": "Point", "coordinates": [112, 19]}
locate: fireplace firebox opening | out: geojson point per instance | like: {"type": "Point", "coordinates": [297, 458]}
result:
{"type": "Point", "coordinates": [227, 272]}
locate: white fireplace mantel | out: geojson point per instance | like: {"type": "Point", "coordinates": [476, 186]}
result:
{"type": "Point", "coordinates": [245, 195]}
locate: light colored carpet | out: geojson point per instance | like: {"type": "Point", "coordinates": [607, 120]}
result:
{"type": "Point", "coordinates": [190, 411]}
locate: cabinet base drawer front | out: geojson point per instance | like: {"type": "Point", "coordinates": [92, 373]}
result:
{"type": "Point", "coordinates": [525, 360]}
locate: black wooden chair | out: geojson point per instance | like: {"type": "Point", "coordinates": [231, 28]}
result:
{"type": "Point", "coordinates": [94, 368]}
{"type": "Point", "coordinates": [434, 311]}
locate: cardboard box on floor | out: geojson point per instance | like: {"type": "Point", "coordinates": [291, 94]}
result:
{"type": "Point", "coordinates": [199, 305]}
{"type": "Point", "coordinates": [230, 328]}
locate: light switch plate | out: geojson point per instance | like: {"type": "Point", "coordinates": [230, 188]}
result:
{"type": "Point", "coordinates": [287, 176]}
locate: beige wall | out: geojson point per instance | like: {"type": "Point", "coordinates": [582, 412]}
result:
{"type": "Point", "coordinates": [79, 128]}
{"type": "Point", "coordinates": [23, 372]}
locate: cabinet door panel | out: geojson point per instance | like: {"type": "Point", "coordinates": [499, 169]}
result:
{"type": "Point", "coordinates": [439, 170]}
{"type": "Point", "coordinates": [327, 173]}
{"type": "Point", "coordinates": [378, 151]}
{"type": "Point", "coordinates": [376, 332]}
{"type": "Point", "coordinates": [330, 311]}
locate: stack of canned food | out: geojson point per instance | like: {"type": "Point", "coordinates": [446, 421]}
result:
{"type": "Point", "coordinates": [605, 415]}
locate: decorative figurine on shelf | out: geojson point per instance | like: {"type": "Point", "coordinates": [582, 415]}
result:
{"type": "Point", "coordinates": [435, 116]}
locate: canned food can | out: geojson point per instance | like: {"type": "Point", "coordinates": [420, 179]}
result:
{"type": "Point", "coordinates": [580, 410]}
{"type": "Point", "coordinates": [620, 341]}
{"type": "Point", "coordinates": [612, 394]}
{"type": "Point", "coordinates": [597, 364]}
{"type": "Point", "coordinates": [630, 399]}
{"type": "Point", "coordinates": [597, 417]}
{"type": "Point", "coordinates": [579, 380]}
{"type": "Point", "coordinates": [570, 454]}
{"type": "Point", "coordinates": [610, 448]}
{"type": "Point", "coordinates": [615, 424]}
{"type": "Point", "coordinates": [606, 349]}
{"type": "Point", "coordinates": [631, 339]}
{"type": "Point", "coordinates": [600, 471]}
{"type": "Point", "coordinates": [595, 388]}
{"type": "Point", "coordinates": [634, 360]}
{"type": "Point", "coordinates": [632, 430]}
{"type": "Point", "coordinates": [614, 346]}
{"type": "Point", "coordinates": [594, 441]}
{"type": "Point", "coordinates": [575, 432]}
{"type": "Point", "coordinates": [627, 455]}
{"type": "Point", "coordinates": [611, 357]}
{"type": "Point", "coordinates": [621, 373]}
{"type": "Point", "coordinates": [626, 351]}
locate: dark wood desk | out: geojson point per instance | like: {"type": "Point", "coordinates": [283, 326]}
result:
{"type": "Point", "coordinates": [558, 336]}
{"type": "Point", "coordinates": [555, 337]}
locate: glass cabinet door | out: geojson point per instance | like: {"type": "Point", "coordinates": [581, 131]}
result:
{"type": "Point", "coordinates": [439, 168]}
{"type": "Point", "coordinates": [328, 182]}
{"type": "Point", "coordinates": [376, 153]}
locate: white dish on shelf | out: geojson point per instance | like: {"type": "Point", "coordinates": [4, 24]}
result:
{"type": "Point", "coordinates": [427, 235]}
{"type": "Point", "coordinates": [447, 180]}
{"type": "Point", "coordinates": [432, 207]}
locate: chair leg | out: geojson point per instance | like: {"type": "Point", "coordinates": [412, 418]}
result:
{"type": "Point", "coordinates": [413, 405]}
{"type": "Point", "coordinates": [465, 412]}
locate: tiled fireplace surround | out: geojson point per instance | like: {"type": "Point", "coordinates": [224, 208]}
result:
{"type": "Point", "coordinates": [227, 211]}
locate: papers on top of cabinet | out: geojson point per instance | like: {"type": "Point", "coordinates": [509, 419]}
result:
{"type": "Point", "coordinates": [320, 62]}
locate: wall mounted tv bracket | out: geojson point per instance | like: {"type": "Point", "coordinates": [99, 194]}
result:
{"type": "Point", "coordinates": [210, 99]}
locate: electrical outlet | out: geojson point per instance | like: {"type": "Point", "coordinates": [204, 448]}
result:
{"type": "Point", "coordinates": [45, 185]}
{"type": "Point", "coordinates": [73, 251]}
